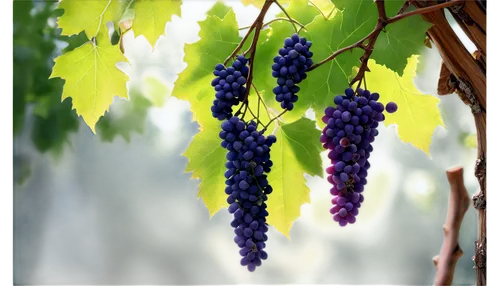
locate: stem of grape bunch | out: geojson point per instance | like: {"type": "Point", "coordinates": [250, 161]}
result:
{"type": "Point", "coordinates": [368, 42]}
{"type": "Point", "coordinates": [257, 26]}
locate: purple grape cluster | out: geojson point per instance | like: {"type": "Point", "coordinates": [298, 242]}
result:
{"type": "Point", "coordinates": [247, 186]}
{"type": "Point", "coordinates": [290, 69]}
{"type": "Point", "coordinates": [229, 86]}
{"type": "Point", "coordinates": [350, 129]}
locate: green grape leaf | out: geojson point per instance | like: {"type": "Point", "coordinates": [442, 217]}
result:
{"type": "Point", "coordinates": [206, 157]}
{"type": "Point", "coordinates": [218, 37]}
{"type": "Point", "coordinates": [151, 16]}
{"type": "Point", "coordinates": [396, 43]}
{"type": "Point", "coordinates": [417, 115]}
{"type": "Point", "coordinates": [124, 118]}
{"type": "Point", "coordinates": [219, 9]}
{"type": "Point", "coordinates": [270, 41]}
{"type": "Point", "coordinates": [88, 16]}
{"type": "Point", "coordinates": [51, 131]}
{"type": "Point", "coordinates": [259, 3]}
{"type": "Point", "coordinates": [206, 160]}
{"type": "Point", "coordinates": [296, 151]}
{"type": "Point", "coordinates": [155, 88]}
{"type": "Point", "coordinates": [332, 78]}
{"type": "Point", "coordinates": [92, 78]}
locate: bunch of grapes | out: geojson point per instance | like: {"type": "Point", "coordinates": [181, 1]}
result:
{"type": "Point", "coordinates": [247, 186]}
{"type": "Point", "coordinates": [350, 129]}
{"type": "Point", "coordinates": [290, 69]}
{"type": "Point", "coordinates": [229, 86]}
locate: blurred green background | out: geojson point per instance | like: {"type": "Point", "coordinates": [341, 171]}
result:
{"type": "Point", "coordinates": [117, 207]}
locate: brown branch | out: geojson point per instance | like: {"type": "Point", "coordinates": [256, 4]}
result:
{"type": "Point", "coordinates": [257, 25]}
{"type": "Point", "coordinates": [382, 22]}
{"type": "Point", "coordinates": [444, 83]}
{"type": "Point", "coordinates": [253, 47]}
{"type": "Point", "coordinates": [404, 7]}
{"type": "Point", "coordinates": [286, 13]}
{"type": "Point", "coordinates": [425, 10]}
{"type": "Point", "coordinates": [450, 250]}
{"type": "Point", "coordinates": [470, 78]}
{"type": "Point", "coordinates": [471, 19]}
{"type": "Point", "coordinates": [278, 19]}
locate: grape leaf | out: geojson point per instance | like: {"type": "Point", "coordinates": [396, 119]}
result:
{"type": "Point", "coordinates": [259, 3]}
{"type": "Point", "coordinates": [155, 88]}
{"type": "Point", "coordinates": [206, 157]}
{"type": "Point", "coordinates": [201, 57]}
{"type": "Point", "coordinates": [296, 151]}
{"type": "Point", "coordinates": [219, 9]}
{"type": "Point", "coordinates": [125, 117]}
{"type": "Point", "coordinates": [88, 16]}
{"type": "Point", "coordinates": [417, 115]}
{"type": "Point", "coordinates": [398, 42]}
{"type": "Point", "coordinates": [151, 16]}
{"type": "Point", "coordinates": [92, 78]}
{"type": "Point", "coordinates": [270, 41]}
{"type": "Point", "coordinates": [330, 79]}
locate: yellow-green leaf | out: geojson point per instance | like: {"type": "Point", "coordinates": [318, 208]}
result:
{"type": "Point", "coordinates": [206, 162]}
{"type": "Point", "coordinates": [332, 78]}
{"type": "Point", "coordinates": [155, 88]}
{"type": "Point", "coordinates": [92, 78]}
{"type": "Point", "coordinates": [151, 17]}
{"type": "Point", "coordinates": [295, 152]}
{"type": "Point", "coordinates": [417, 115]}
{"type": "Point", "coordinates": [202, 56]}
{"type": "Point", "coordinates": [88, 16]}
{"type": "Point", "coordinates": [206, 157]}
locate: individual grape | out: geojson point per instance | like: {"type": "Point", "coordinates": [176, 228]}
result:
{"type": "Point", "coordinates": [290, 69]}
{"type": "Point", "coordinates": [391, 107]}
{"type": "Point", "coordinates": [351, 126]}
{"type": "Point", "coordinates": [229, 86]}
{"type": "Point", "coordinates": [247, 186]}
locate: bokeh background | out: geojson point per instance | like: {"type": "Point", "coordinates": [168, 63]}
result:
{"type": "Point", "coordinates": [117, 207]}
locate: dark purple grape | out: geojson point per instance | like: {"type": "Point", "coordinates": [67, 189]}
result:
{"type": "Point", "coordinates": [391, 107]}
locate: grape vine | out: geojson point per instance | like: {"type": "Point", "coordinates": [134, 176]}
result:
{"type": "Point", "coordinates": [349, 124]}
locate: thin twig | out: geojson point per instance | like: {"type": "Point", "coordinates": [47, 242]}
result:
{"type": "Point", "coordinates": [404, 7]}
{"type": "Point", "coordinates": [286, 13]}
{"type": "Point", "coordinates": [255, 117]}
{"type": "Point", "coordinates": [262, 100]}
{"type": "Point", "coordinates": [425, 10]}
{"type": "Point", "coordinates": [237, 49]}
{"type": "Point", "coordinates": [278, 19]}
{"type": "Point", "coordinates": [277, 116]}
